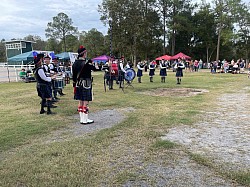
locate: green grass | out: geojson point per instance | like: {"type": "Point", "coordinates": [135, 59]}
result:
{"type": "Point", "coordinates": [110, 156]}
{"type": "Point", "coordinates": [164, 144]}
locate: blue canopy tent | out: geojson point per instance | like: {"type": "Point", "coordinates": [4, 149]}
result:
{"type": "Point", "coordinates": [63, 56]}
{"type": "Point", "coordinates": [27, 57]}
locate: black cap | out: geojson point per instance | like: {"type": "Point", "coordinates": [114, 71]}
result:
{"type": "Point", "coordinates": [38, 57]}
{"type": "Point", "coordinates": [47, 56]}
{"type": "Point", "coordinates": [81, 51]}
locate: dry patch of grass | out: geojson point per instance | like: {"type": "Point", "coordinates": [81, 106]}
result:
{"type": "Point", "coordinates": [174, 92]}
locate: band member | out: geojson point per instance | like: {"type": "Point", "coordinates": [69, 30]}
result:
{"type": "Point", "coordinates": [179, 66]}
{"type": "Point", "coordinates": [105, 68]}
{"type": "Point", "coordinates": [46, 70]}
{"type": "Point", "coordinates": [121, 73]}
{"type": "Point", "coordinates": [163, 70]}
{"type": "Point", "coordinates": [113, 73]}
{"type": "Point", "coordinates": [152, 66]}
{"type": "Point", "coordinates": [59, 73]}
{"type": "Point", "coordinates": [140, 67]}
{"type": "Point", "coordinates": [43, 84]}
{"type": "Point", "coordinates": [56, 70]}
{"type": "Point", "coordinates": [82, 83]}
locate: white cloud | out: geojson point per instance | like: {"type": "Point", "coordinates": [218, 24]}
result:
{"type": "Point", "coordinates": [21, 18]}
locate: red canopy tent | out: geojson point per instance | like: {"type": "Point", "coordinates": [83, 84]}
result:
{"type": "Point", "coordinates": [180, 55]}
{"type": "Point", "coordinates": [164, 57]}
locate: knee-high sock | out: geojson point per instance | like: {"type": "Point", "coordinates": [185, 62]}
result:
{"type": "Point", "coordinates": [48, 106]}
{"type": "Point", "coordinates": [87, 116]}
{"type": "Point", "coordinates": [43, 102]}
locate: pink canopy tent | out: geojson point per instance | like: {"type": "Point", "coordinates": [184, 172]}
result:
{"type": "Point", "coordinates": [164, 57]}
{"type": "Point", "coordinates": [103, 58]}
{"type": "Point", "coordinates": [180, 55]}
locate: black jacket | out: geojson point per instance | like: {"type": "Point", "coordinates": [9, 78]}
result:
{"type": "Point", "coordinates": [82, 69]}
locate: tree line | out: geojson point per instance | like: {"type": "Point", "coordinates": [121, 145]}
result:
{"type": "Point", "coordinates": [145, 29]}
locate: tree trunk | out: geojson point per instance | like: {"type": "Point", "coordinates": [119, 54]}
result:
{"type": "Point", "coordinates": [173, 33]}
{"type": "Point", "coordinates": [173, 42]}
{"type": "Point", "coordinates": [164, 30]}
{"type": "Point", "coordinates": [64, 43]}
{"type": "Point", "coordinates": [207, 56]}
{"type": "Point", "coordinates": [218, 45]}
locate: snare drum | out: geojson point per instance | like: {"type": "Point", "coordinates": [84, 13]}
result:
{"type": "Point", "coordinates": [130, 74]}
{"type": "Point", "coordinates": [58, 83]}
{"type": "Point", "coordinates": [67, 80]}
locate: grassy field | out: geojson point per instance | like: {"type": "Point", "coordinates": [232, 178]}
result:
{"type": "Point", "coordinates": [108, 157]}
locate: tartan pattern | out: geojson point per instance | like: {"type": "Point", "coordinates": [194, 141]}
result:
{"type": "Point", "coordinates": [151, 72]}
{"type": "Point", "coordinates": [163, 72]}
{"type": "Point", "coordinates": [139, 73]}
{"type": "Point", "coordinates": [179, 73]}
{"type": "Point", "coordinates": [83, 94]}
{"type": "Point", "coordinates": [44, 90]}
{"type": "Point", "coordinates": [121, 75]}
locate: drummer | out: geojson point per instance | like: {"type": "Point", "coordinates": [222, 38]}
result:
{"type": "Point", "coordinates": [46, 69]}
{"type": "Point", "coordinates": [43, 84]}
{"type": "Point", "coordinates": [54, 69]}
{"type": "Point", "coordinates": [121, 72]}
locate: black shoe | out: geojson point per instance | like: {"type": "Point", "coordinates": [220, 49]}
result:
{"type": "Point", "coordinates": [62, 94]}
{"type": "Point", "coordinates": [50, 113]}
{"type": "Point", "coordinates": [52, 106]}
{"type": "Point", "coordinates": [56, 98]}
{"type": "Point", "coordinates": [42, 111]}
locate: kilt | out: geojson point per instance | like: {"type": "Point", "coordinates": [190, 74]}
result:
{"type": "Point", "coordinates": [121, 75]}
{"type": "Point", "coordinates": [83, 94]}
{"type": "Point", "coordinates": [44, 90]}
{"type": "Point", "coordinates": [151, 72]}
{"type": "Point", "coordinates": [139, 73]}
{"type": "Point", "coordinates": [179, 73]}
{"type": "Point", "coordinates": [163, 72]}
{"type": "Point", "coordinates": [108, 77]}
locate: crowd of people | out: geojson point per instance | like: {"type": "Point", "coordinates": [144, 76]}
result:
{"type": "Point", "coordinates": [234, 67]}
{"type": "Point", "coordinates": [47, 74]}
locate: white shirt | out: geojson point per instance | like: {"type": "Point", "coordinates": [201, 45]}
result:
{"type": "Point", "coordinates": [161, 67]}
{"type": "Point", "coordinates": [139, 67]}
{"type": "Point", "coordinates": [121, 66]}
{"type": "Point", "coordinates": [43, 76]}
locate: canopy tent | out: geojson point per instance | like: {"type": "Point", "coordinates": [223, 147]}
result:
{"type": "Point", "coordinates": [28, 56]}
{"type": "Point", "coordinates": [63, 56]}
{"type": "Point", "coordinates": [180, 55]}
{"type": "Point", "coordinates": [102, 58]}
{"type": "Point", "coordinates": [164, 57]}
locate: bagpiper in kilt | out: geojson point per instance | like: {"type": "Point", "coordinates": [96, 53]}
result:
{"type": "Point", "coordinates": [163, 70]}
{"type": "Point", "coordinates": [140, 67]}
{"type": "Point", "coordinates": [179, 66]}
{"type": "Point", "coordinates": [82, 83]}
{"type": "Point", "coordinates": [151, 70]}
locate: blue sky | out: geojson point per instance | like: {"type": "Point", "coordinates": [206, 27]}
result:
{"type": "Point", "coordinates": [20, 18]}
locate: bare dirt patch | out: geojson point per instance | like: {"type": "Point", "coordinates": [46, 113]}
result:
{"type": "Point", "coordinates": [177, 92]}
{"type": "Point", "coordinates": [223, 135]}
{"type": "Point", "coordinates": [103, 119]}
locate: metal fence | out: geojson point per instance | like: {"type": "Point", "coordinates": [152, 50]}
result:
{"type": "Point", "coordinates": [10, 73]}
